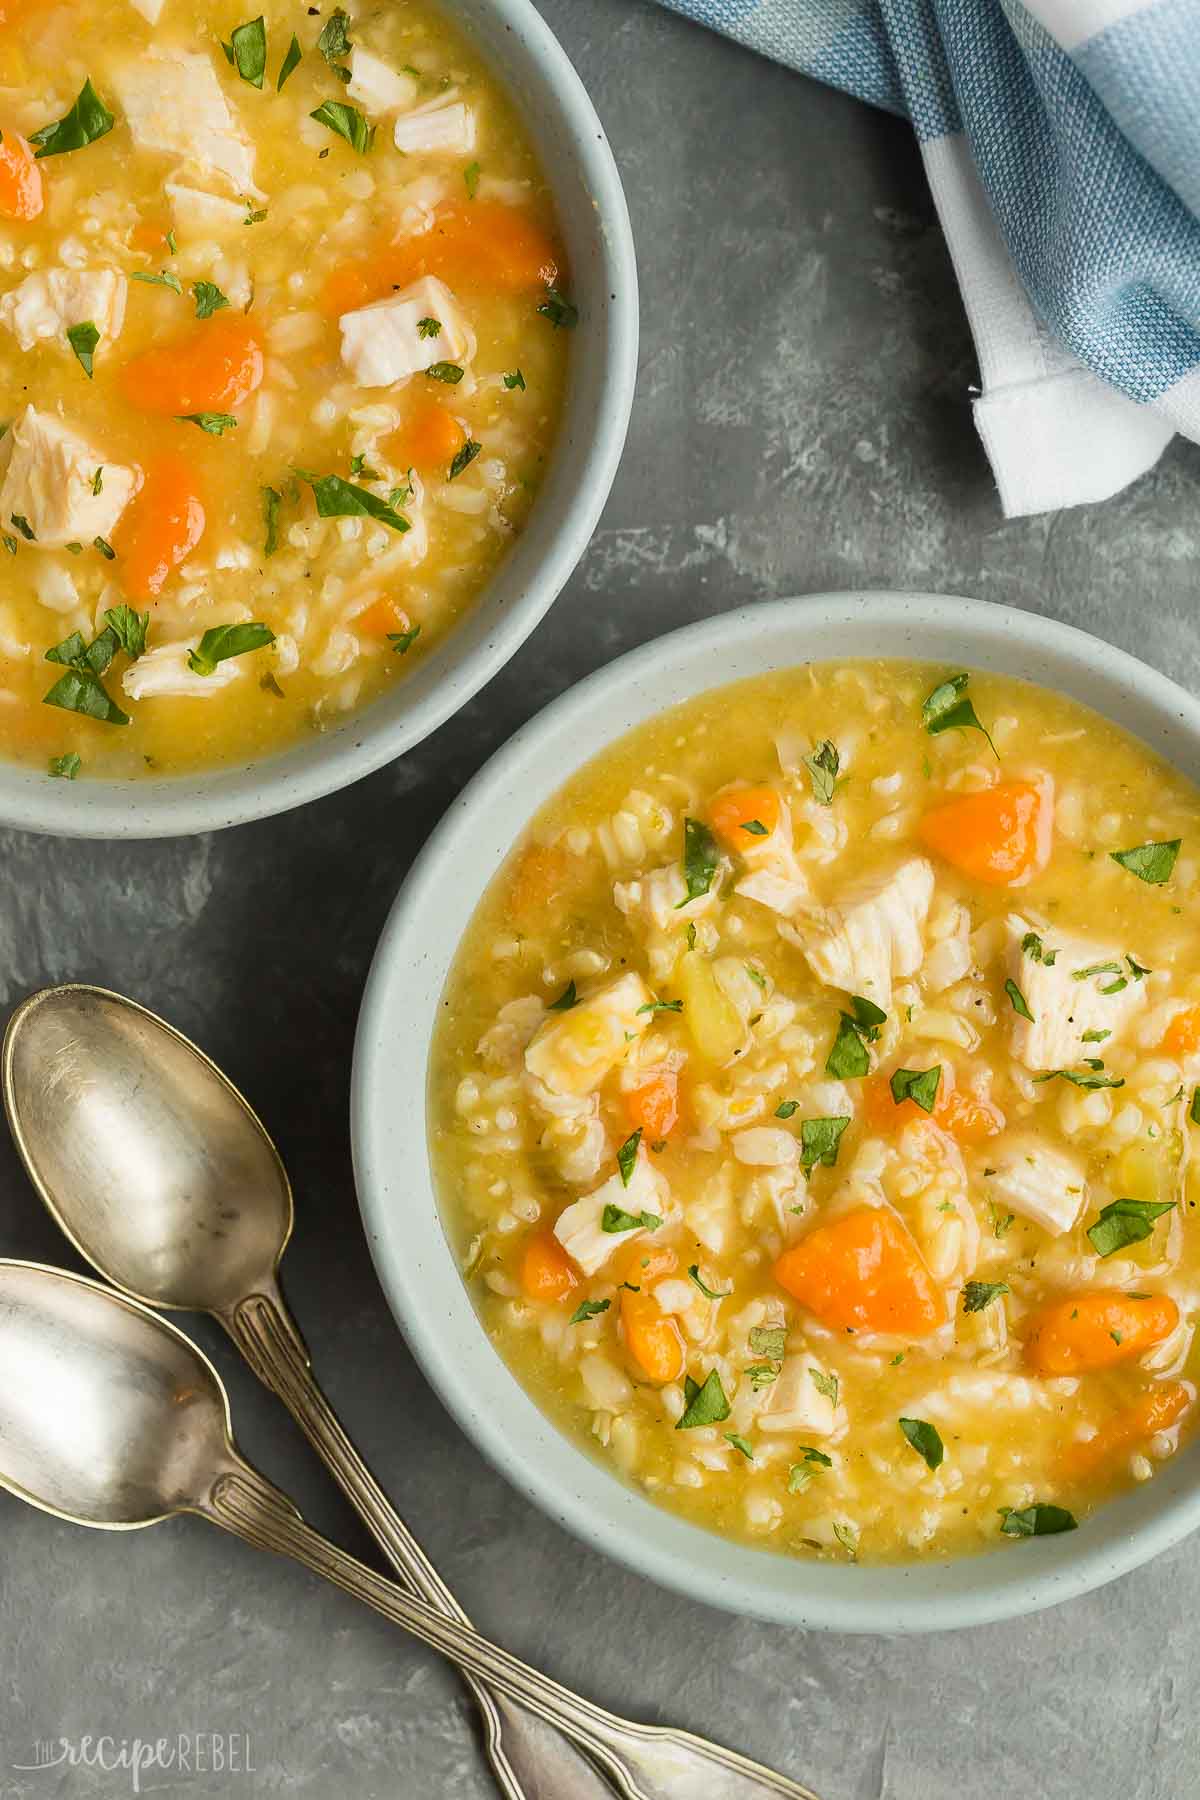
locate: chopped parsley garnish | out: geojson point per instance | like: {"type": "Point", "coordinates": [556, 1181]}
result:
{"type": "Point", "coordinates": [657, 1006]}
{"type": "Point", "coordinates": [129, 628]}
{"type": "Point", "coordinates": [823, 766]}
{"type": "Point", "coordinates": [464, 458]}
{"type": "Point", "coordinates": [1093, 1080]}
{"type": "Point", "coordinates": [272, 501]}
{"type": "Point", "coordinates": [825, 1384]}
{"type": "Point", "coordinates": [978, 1294]}
{"type": "Point", "coordinates": [216, 424]}
{"type": "Point", "coordinates": [1104, 968]}
{"type": "Point", "coordinates": [786, 1108]}
{"type": "Point", "coordinates": [819, 1141]}
{"type": "Point", "coordinates": [769, 1340]}
{"type": "Point", "coordinates": [762, 1375]}
{"type": "Point", "coordinates": [847, 1537]}
{"type": "Point", "coordinates": [289, 64]}
{"type": "Point", "coordinates": [1095, 1037]}
{"type": "Point", "coordinates": [627, 1156]}
{"type": "Point", "coordinates": [66, 767]}
{"type": "Point", "coordinates": [740, 1444]}
{"type": "Point", "coordinates": [208, 297]}
{"type": "Point", "coordinates": [1039, 1520]}
{"type": "Point", "coordinates": [706, 1402]}
{"type": "Point", "coordinates": [925, 1440]}
{"type": "Point", "coordinates": [1036, 951]}
{"type": "Point", "coordinates": [338, 499]}
{"type": "Point", "coordinates": [246, 51]}
{"type": "Point", "coordinates": [450, 373]}
{"type": "Point", "coordinates": [946, 709]}
{"type": "Point", "coordinates": [334, 42]}
{"type": "Point", "coordinates": [1194, 1109]}
{"type": "Point", "coordinates": [849, 1058]}
{"type": "Point", "coordinates": [98, 480]}
{"type": "Point", "coordinates": [471, 175]}
{"type": "Point", "coordinates": [918, 1085]}
{"type": "Point", "coordinates": [755, 827]}
{"type": "Point", "coordinates": [1018, 1001]}
{"type": "Point", "coordinates": [709, 1293]}
{"type": "Point", "coordinates": [80, 688]}
{"type": "Point", "coordinates": [701, 859]}
{"type": "Point", "coordinates": [347, 122]}
{"type": "Point", "coordinates": [428, 328]}
{"type": "Point", "coordinates": [24, 527]}
{"type": "Point", "coordinates": [615, 1218]}
{"type": "Point", "coordinates": [1124, 1222]}
{"type": "Point", "coordinates": [588, 1309]}
{"type": "Point", "coordinates": [1152, 863]}
{"type": "Point", "coordinates": [105, 548]}
{"type": "Point", "coordinates": [224, 641]}
{"type": "Point", "coordinates": [515, 380]}
{"type": "Point", "coordinates": [403, 641]}
{"type": "Point", "coordinates": [165, 278]}
{"type": "Point", "coordinates": [87, 120]}
{"type": "Point", "coordinates": [566, 1000]}
{"type": "Point", "coordinates": [559, 310]}
{"type": "Point", "coordinates": [1002, 1223]}
{"type": "Point", "coordinates": [83, 339]}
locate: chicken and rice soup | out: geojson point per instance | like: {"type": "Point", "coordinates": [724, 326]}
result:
{"type": "Point", "coordinates": [283, 347]}
{"type": "Point", "coordinates": [812, 1109]}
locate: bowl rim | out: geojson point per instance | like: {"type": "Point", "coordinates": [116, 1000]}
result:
{"type": "Point", "coordinates": [408, 1245]}
{"type": "Point", "coordinates": [238, 793]}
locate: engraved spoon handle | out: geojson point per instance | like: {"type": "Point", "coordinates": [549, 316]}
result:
{"type": "Point", "coordinates": [643, 1762]}
{"type": "Point", "coordinates": [529, 1759]}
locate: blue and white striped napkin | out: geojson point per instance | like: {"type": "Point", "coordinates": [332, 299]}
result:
{"type": "Point", "coordinates": [1062, 143]}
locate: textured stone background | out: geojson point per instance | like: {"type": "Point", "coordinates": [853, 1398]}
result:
{"type": "Point", "coordinates": [802, 423]}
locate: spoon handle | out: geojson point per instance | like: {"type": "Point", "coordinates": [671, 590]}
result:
{"type": "Point", "coordinates": [529, 1759]}
{"type": "Point", "coordinates": [643, 1762]}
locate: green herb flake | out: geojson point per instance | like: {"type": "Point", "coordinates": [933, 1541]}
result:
{"type": "Point", "coordinates": [1002, 1223]}
{"type": "Point", "coordinates": [627, 1156]}
{"type": "Point", "coordinates": [947, 709]}
{"type": "Point", "coordinates": [272, 500]}
{"type": "Point", "coordinates": [129, 628]}
{"type": "Point", "coordinates": [562, 314]}
{"type": "Point", "coordinates": [1081, 1081]}
{"type": "Point", "coordinates": [1018, 1002]}
{"type": "Point", "coordinates": [825, 1384]}
{"type": "Point", "coordinates": [741, 1445]}
{"type": "Point", "coordinates": [769, 1340]}
{"type": "Point", "coordinates": [849, 1057]}
{"type": "Point", "coordinates": [464, 458]}
{"type": "Point", "coordinates": [289, 64]}
{"type": "Point", "coordinates": [428, 328]}
{"type": "Point", "coordinates": [83, 339]}
{"type": "Point", "coordinates": [66, 767]}
{"type": "Point", "coordinates": [403, 641]}
{"type": "Point", "coordinates": [79, 690]}
{"type": "Point", "coordinates": [1036, 951]}
{"type": "Point", "coordinates": [216, 424]}
{"type": "Point", "coordinates": [701, 859]}
{"type": "Point", "coordinates": [823, 766]}
{"type": "Point", "coordinates": [1095, 1037]}
{"type": "Point", "coordinates": [657, 1006]}
{"type": "Point", "coordinates": [515, 380]}
{"type": "Point", "coordinates": [819, 1141]}
{"type": "Point", "coordinates": [1152, 863]}
{"type": "Point", "coordinates": [1124, 1222]}
{"type": "Point", "coordinates": [98, 480]}
{"type": "Point", "coordinates": [1039, 1520]}
{"type": "Point", "coordinates": [471, 175]}
{"type": "Point", "coordinates": [334, 42]}
{"type": "Point", "coordinates": [762, 1375]}
{"type": "Point", "coordinates": [786, 1108]}
{"type": "Point", "coordinates": [566, 1000]}
{"type": "Point", "coordinates": [246, 51]}
{"type": "Point", "coordinates": [706, 1402]}
{"type": "Point", "coordinates": [87, 120]}
{"type": "Point", "coordinates": [918, 1085]}
{"type": "Point", "coordinates": [847, 1537]}
{"type": "Point", "coordinates": [925, 1440]}
{"type": "Point", "coordinates": [347, 122]}
{"type": "Point", "coordinates": [448, 372]}
{"type": "Point", "coordinates": [709, 1293]}
{"type": "Point", "coordinates": [208, 297]}
{"type": "Point", "coordinates": [755, 827]}
{"type": "Point", "coordinates": [24, 527]}
{"type": "Point", "coordinates": [224, 641]}
{"type": "Point", "coordinates": [105, 548]}
{"type": "Point", "coordinates": [338, 499]}
{"type": "Point", "coordinates": [615, 1219]}
{"type": "Point", "coordinates": [978, 1294]}
{"type": "Point", "coordinates": [165, 278]}
{"type": "Point", "coordinates": [1194, 1109]}
{"type": "Point", "coordinates": [588, 1309]}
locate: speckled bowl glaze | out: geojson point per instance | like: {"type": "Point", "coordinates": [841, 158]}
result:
{"type": "Point", "coordinates": [391, 1154]}
{"type": "Point", "coordinates": [595, 224]}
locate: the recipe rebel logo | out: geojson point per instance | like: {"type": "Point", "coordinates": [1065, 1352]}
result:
{"type": "Point", "coordinates": [180, 1758]}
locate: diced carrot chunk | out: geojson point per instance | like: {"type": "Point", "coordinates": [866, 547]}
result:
{"type": "Point", "coordinates": [160, 527]}
{"type": "Point", "coordinates": [487, 246]}
{"type": "Point", "coordinates": [215, 368]}
{"type": "Point", "coordinates": [643, 1261]}
{"type": "Point", "coordinates": [148, 234]}
{"type": "Point", "coordinates": [1182, 1036]}
{"type": "Point", "coordinates": [967, 1118]}
{"type": "Point", "coordinates": [1156, 1410]}
{"type": "Point", "coordinates": [652, 1337]}
{"type": "Point", "coordinates": [378, 619]}
{"type": "Point", "coordinates": [1000, 836]}
{"type": "Point", "coordinates": [1096, 1329]}
{"type": "Point", "coordinates": [22, 194]}
{"type": "Point", "coordinates": [547, 1272]}
{"type": "Point", "coordinates": [737, 814]}
{"type": "Point", "coordinates": [653, 1105]}
{"type": "Point", "coordinates": [863, 1272]}
{"type": "Point", "coordinates": [429, 439]}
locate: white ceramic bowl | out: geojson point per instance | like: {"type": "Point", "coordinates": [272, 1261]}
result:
{"type": "Point", "coordinates": [595, 224]}
{"type": "Point", "coordinates": [391, 1154]}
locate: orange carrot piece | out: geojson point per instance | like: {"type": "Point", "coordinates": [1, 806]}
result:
{"type": "Point", "coordinates": [1182, 1037]}
{"type": "Point", "coordinates": [643, 1261]}
{"type": "Point", "coordinates": [22, 193]}
{"type": "Point", "coordinates": [1097, 1329]}
{"type": "Point", "coordinates": [863, 1272]}
{"type": "Point", "coordinates": [1000, 836]}
{"type": "Point", "coordinates": [429, 439]}
{"type": "Point", "coordinates": [968, 1119]}
{"type": "Point", "coordinates": [653, 1105]}
{"type": "Point", "coordinates": [547, 1272]}
{"type": "Point", "coordinates": [1156, 1410]}
{"type": "Point", "coordinates": [731, 812]}
{"type": "Point", "coordinates": [487, 246]}
{"type": "Point", "coordinates": [378, 619]}
{"type": "Point", "coordinates": [652, 1337]}
{"type": "Point", "coordinates": [160, 528]}
{"type": "Point", "coordinates": [215, 368]}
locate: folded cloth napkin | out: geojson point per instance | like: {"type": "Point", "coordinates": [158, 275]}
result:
{"type": "Point", "coordinates": [1061, 139]}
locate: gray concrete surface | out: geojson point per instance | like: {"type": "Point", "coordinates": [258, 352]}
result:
{"type": "Point", "coordinates": [802, 423]}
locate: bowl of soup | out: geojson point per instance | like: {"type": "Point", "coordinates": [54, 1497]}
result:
{"type": "Point", "coordinates": [775, 1137]}
{"type": "Point", "coordinates": [318, 330]}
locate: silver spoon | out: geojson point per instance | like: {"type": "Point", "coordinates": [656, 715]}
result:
{"type": "Point", "coordinates": [110, 1417]}
{"type": "Point", "coordinates": [166, 1181]}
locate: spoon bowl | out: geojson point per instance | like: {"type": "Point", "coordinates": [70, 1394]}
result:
{"type": "Point", "coordinates": [176, 1191]}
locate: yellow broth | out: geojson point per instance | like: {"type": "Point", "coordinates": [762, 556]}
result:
{"type": "Point", "coordinates": [319, 231]}
{"type": "Point", "coordinates": [983, 1204]}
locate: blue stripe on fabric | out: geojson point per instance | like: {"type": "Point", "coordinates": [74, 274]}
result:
{"type": "Point", "coordinates": [860, 61]}
{"type": "Point", "coordinates": [924, 70]}
{"type": "Point", "coordinates": [1146, 70]}
{"type": "Point", "coordinates": [840, 42]}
